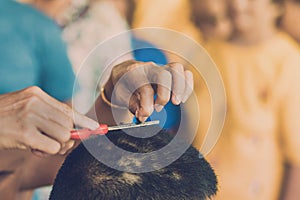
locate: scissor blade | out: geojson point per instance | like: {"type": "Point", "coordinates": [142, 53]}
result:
{"type": "Point", "coordinates": [131, 125]}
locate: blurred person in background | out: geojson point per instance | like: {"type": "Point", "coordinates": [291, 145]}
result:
{"type": "Point", "coordinates": [211, 17]}
{"type": "Point", "coordinates": [260, 68]}
{"type": "Point", "coordinates": [168, 14]}
{"type": "Point", "coordinates": [94, 22]}
{"type": "Point", "coordinates": [291, 18]}
{"type": "Point", "coordinates": [33, 54]}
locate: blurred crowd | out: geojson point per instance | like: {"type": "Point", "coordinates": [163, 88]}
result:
{"type": "Point", "coordinates": [255, 45]}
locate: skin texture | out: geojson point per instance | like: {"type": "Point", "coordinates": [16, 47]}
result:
{"type": "Point", "coordinates": [211, 16]}
{"type": "Point", "coordinates": [247, 15]}
{"type": "Point", "coordinates": [189, 177]}
{"type": "Point", "coordinates": [140, 74]}
{"type": "Point", "coordinates": [261, 16]}
{"type": "Point", "coordinates": [30, 118]}
{"type": "Point", "coordinates": [288, 23]}
{"type": "Point", "coordinates": [253, 23]}
{"type": "Point", "coordinates": [291, 18]}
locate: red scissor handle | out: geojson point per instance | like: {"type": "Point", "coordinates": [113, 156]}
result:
{"type": "Point", "coordinates": [85, 132]}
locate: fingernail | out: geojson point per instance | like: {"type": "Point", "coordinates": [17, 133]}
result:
{"type": "Point", "coordinates": [137, 114]}
{"type": "Point", "coordinates": [184, 99]}
{"type": "Point", "coordinates": [71, 144]}
{"type": "Point", "coordinates": [63, 152]}
{"type": "Point", "coordinates": [143, 119]}
{"type": "Point", "coordinates": [176, 100]}
{"type": "Point", "coordinates": [158, 107]}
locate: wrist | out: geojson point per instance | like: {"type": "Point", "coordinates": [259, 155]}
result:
{"type": "Point", "coordinates": [107, 100]}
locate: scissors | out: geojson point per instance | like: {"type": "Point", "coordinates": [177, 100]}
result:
{"type": "Point", "coordinates": [79, 134]}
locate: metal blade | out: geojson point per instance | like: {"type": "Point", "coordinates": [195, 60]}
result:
{"type": "Point", "coordinates": [131, 125]}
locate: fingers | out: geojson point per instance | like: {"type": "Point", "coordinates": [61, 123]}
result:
{"type": "Point", "coordinates": [40, 142]}
{"type": "Point", "coordinates": [143, 80]}
{"type": "Point", "coordinates": [178, 80]}
{"type": "Point", "coordinates": [145, 96]}
{"type": "Point", "coordinates": [50, 121]}
{"type": "Point", "coordinates": [164, 83]}
{"type": "Point", "coordinates": [189, 86]}
{"type": "Point", "coordinates": [62, 113]}
{"type": "Point", "coordinates": [66, 147]}
{"type": "Point", "coordinates": [83, 121]}
{"type": "Point", "coordinates": [52, 129]}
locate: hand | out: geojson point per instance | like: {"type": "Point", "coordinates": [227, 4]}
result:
{"type": "Point", "coordinates": [133, 84]}
{"type": "Point", "coordinates": [31, 119]}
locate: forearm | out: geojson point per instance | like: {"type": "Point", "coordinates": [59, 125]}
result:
{"type": "Point", "coordinates": [291, 188]}
{"type": "Point", "coordinates": [38, 172]}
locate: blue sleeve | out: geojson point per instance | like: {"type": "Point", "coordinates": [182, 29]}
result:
{"type": "Point", "coordinates": [145, 52]}
{"type": "Point", "coordinates": [57, 76]}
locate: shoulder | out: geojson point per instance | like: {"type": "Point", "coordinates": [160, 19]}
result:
{"type": "Point", "coordinates": [285, 44]}
{"type": "Point", "coordinates": [26, 18]}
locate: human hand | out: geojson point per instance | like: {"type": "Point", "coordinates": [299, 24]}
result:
{"type": "Point", "coordinates": [133, 84]}
{"type": "Point", "coordinates": [31, 119]}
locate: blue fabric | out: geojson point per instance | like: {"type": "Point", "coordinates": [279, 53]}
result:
{"type": "Point", "coordinates": [32, 52]}
{"type": "Point", "coordinates": [144, 51]}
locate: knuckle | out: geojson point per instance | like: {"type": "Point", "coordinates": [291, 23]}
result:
{"type": "Point", "coordinates": [27, 136]}
{"type": "Point", "coordinates": [146, 90]}
{"type": "Point", "coordinates": [166, 75]}
{"type": "Point", "coordinates": [33, 90]}
{"type": "Point", "coordinates": [133, 66]}
{"type": "Point", "coordinates": [176, 66]}
{"type": "Point", "coordinates": [31, 102]}
{"type": "Point", "coordinates": [151, 63]}
{"type": "Point", "coordinates": [27, 107]}
{"type": "Point", "coordinates": [29, 116]}
{"type": "Point", "coordinates": [165, 79]}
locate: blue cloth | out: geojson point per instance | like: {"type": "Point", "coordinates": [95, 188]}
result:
{"type": "Point", "coordinates": [32, 52]}
{"type": "Point", "coordinates": [144, 51]}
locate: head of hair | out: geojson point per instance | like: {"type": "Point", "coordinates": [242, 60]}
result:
{"type": "Point", "coordinates": [82, 176]}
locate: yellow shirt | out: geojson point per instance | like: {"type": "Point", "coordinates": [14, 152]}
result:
{"type": "Point", "coordinates": [262, 126]}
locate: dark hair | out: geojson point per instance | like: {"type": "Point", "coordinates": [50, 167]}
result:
{"type": "Point", "coordinates": [84, 177]}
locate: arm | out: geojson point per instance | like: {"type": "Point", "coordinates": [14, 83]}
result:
{"type": "Point", "coordinates": [291, 188]}
{"type": "Point", "coordinates": [141, 103]}
{"type": "Point", "coordinates": [290, 129]}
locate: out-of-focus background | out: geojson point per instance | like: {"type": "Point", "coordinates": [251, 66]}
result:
{"type": "Point", "coordinates": [254, 43]}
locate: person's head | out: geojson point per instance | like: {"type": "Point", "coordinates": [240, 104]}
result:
{"type": "Point", "coordinates": [211, 17]}
{"type": "Point", "coordinates": [291, 18]}
{"type": "Point", "coordinates": [254, 16]}
{"type": "Point", "coordinates": [82, 176]}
